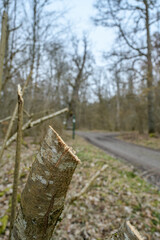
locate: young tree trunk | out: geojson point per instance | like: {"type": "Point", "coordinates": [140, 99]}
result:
{"type": "Point", "coordinates": [17, 160]}
{"type": "Point", "coordinates": [126, 232]}
{"type": "Point", "coordinates": [150, 96]}
{"type": "Point", "coordinates": [3, 46]}
{"type": "Point", "coordinates": [117, 128]}
{"type": "Point", "coordinates": [13, 118]}
{"type": "Point", "coordinates": [42, 199]}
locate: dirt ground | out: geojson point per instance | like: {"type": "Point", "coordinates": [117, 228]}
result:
{"type": "Point", "coordinates": [119, 193]}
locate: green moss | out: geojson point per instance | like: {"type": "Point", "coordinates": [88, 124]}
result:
{"type": "Point", "coordinates": [4, 192]}
{"type": "Point", "coordinates": [155, 203]}
{"type": "Point", "coordinates": [23, 175]}
{"type": "Point", "coordinates": [153, 229]}
{"type": "Point", "coordinates": [152, 135]}
{"type": "Point", "coordinates": [137, 207]}
{"type": "Point", "coordinates": [4, 221]}
{"type": "Point", "coordinates": [156, 220]}
{"type": "Point", "coordinates": [119, 202]}
{"type": "Point", "coordinates": [18, 197]}
{"type": "Point", "coordinates": [7, 189]}
{"type": "Point", "coordinates": [130, 174]}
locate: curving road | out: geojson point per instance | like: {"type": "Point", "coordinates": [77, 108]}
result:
{"type": "Point", "coordinates": [141, 157]}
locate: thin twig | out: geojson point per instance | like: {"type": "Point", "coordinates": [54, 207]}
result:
{"type": "Point", "coordinates": [31, 124]}
{"type": "Point", "coordinates": [18, 157]}
{"type": "Point", "coordinates": [88, 184]}
{"type": "Point", "coordinates": [13, 118]}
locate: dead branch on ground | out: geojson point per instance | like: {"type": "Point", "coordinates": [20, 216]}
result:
{"type": "Point", "coordinates": [87, 186]}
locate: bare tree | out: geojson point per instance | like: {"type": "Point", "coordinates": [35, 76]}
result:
{"type": "Point", "coordinates": [132, 19]}
{"type": "Point", "coordinates": [81, 69]}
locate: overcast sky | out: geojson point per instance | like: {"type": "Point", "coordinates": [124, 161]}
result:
{"type": "Point", "coordinates": [79, 15]}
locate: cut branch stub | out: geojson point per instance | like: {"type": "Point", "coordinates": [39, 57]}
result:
{"type": "Point", "coordinates": [42, 199]}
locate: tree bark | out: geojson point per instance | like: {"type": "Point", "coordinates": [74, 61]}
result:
{"type": "Point", "coordinates": [42, 199]}
{"type": "Point", "coordinates": [117, 128]}
{"type": "Point", "coordinates": [126, 232]}
{"type": "Point", "coordinates": [150, 96]}
{"type": "Point", "coordinates": [5, 119]}
{"type": "Point", "coordinates": [3, 46]}
{"type": "Point", "coordinates": [18, 157]}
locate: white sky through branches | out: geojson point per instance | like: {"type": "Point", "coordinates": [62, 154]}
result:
{"type": "Point", "coordinates": [79, 16]}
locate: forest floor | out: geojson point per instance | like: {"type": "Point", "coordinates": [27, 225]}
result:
{"type": "Point", "coordinates": [119, 193]}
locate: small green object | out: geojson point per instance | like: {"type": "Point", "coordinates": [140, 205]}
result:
{"type": "Point", "coordinates": [74, 126]}
{"type": "Point", "coordinates": [2, 193]}
{"type": "Point", "coordinates": [4, 221]}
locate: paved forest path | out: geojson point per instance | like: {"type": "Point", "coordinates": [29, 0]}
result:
{"type": "Point", "coordinates": [141, 157]}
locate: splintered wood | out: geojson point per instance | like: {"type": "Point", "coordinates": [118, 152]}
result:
{"type": "Point", "coordinates": [42, 199]}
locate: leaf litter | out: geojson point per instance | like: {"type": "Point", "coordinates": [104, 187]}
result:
{"type": "Point", "coordinates": [117, 194]}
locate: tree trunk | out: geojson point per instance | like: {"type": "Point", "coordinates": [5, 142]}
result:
{"type": "Point", "coordinates": [42, 199]}
{"type": "Point", "coordinates": [117, 103]}
{"type": "Point", "coordinates": [72, 107]}
{"type": "Point", "coordinates": [3, 45]}
{"type": "Point", "coordinates": [150, 96]}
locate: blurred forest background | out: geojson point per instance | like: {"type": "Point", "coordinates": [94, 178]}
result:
{"type": "Point", "coordinates": [123, 95]}
{"type": "Point", "coordinates": [58, 69]}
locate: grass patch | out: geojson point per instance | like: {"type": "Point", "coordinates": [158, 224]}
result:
{"type": "Point", "coordinates": [117, 194]}
{"type": "Point", "coordinates": [146, 140]}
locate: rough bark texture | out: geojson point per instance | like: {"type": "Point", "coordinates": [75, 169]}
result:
{"type": "Point", "coordinates": [43, 197]}
{"type": "Point", "coordinates": [126, 232]}
{"type": "Point", "coordinates": [18, 156]}
{"type": "Point", "coordinates": [117, 102]}
{"type": "Point", "coordinates": [3, 45]}
{"type": "Point", "coordinates": [151, 120]}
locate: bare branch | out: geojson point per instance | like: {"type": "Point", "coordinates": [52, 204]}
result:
{"type": "Point", "coordinates": [87, 185]}
{"type": "Point", "coordinates": [18, 157]}
{"type": "Point", "coordinates": [31, 124]}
